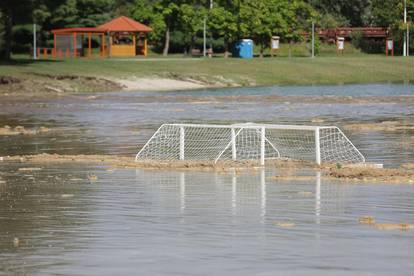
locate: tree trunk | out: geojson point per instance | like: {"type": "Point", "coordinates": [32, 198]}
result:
{"type": "Point", "coordinates": [7, 35]}
{"type": "Point", "coordinates": [167, 42]}
{"type": "Point", "coordinates": [261, 51]}
{"type": "Point", "coordinates": [226, 49]}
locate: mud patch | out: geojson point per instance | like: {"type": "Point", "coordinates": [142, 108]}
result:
{"type": "Point", "coordinates": [372, 174]}
{"type": "Point", "coordinates": [20, 130]}
{"type": "Point", "coordinates": [7, 80]}
{"type": "Point", "coordinates": [129, 162]}
{"type": "Point", "coordinates": [286, 167]}
{"type": "Point", "coordinates": [40, 85]}
{"type": "Point", "coordinates": [381, 126]}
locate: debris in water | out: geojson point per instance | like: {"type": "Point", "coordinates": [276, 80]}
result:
{"type": "Point", "coordinates": [21, 130]}
{"type": "Point", "coordinates": [305, 193]}
{"type": "Point", "coordinates": [16, 242]}
{"type": "Point", "coordinates": [394, 226]}
{"type": "Point", "coordinates": [75, 179]}
{"type": "Point", "coordinates": [286, 224]}
{"type": "Point", "coordinates": [66, 195]}
{"type": "Point", "coordinates": [317, 120]}
{"type": "Point", "coordinates": [370, 220]}
{"type": "Point", "coordinates": [29, 169]}
{"type": "Point", "coordinates": [92, 177]}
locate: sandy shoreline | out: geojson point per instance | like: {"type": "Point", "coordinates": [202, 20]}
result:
{"type": "Point", "coordinates": [41, 85]}
{"type": "Point", "coordinates": [158, 84]}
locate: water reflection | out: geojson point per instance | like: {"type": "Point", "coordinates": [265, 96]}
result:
{"type": "Point", "coordinates": [246, 189]}
{"type": "Point", "coordinates": [155, 222]}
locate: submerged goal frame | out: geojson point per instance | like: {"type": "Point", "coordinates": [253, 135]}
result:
{"type": "Point", "coordinates": [330, 144]}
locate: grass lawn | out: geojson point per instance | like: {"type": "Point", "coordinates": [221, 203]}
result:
{"type": "Point", "coordinates": [352, 68]}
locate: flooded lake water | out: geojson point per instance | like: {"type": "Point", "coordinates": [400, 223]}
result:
{"type": "Point", "coordinates": [54, 220]}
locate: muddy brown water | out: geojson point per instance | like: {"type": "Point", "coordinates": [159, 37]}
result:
{"type": "Point", "coordinates": [89, 219]}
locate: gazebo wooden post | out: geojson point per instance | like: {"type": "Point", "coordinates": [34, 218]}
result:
{"type": "Point", "coordinates": [145, 46]}
{"type": "Point", "coordinates": [54, 45]}
{"type": "Point", "coordinates": [89, 45]}
{"type": "Point", "coordinates": [134, 41]}
{"type": "Point", "coordinates": [82, 49]}
{"type": "Point", "coordinates": [103, 44]}
{"type": "Point", "coordinates": [111, 42]}
{"type": "Point", "coordinates": [74, 45]}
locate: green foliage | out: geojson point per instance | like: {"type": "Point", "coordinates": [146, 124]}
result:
{"type": "Point", "coordinates": [357, 39]}
{"type": "Point", "coordinates": [318, 45]}
{"type": "Point", "coordinates": [181, 21]}
{"type": "Point", "coordinates": [223, 23]}
{"type": "Point", "coordinates": [85, 13]}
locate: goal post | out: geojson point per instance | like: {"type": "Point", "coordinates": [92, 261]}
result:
{"type": "Point", "coordinates": [253, 142]}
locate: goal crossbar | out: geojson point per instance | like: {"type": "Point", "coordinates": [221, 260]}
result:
{"type": "Point", "coordinates": [249, 141]}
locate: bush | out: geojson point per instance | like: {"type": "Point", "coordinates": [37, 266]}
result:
{"type": "Point", "coordinates": [357, 39]}
{"type": "Point", "coordinates": [367, 45]}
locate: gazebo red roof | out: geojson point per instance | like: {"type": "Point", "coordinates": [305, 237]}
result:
{"type": "Point", "coordinates": [78, 30]}
{"type": "Point", "coordinates": [124, 24]}
{"type": "Point", "coordinates": [120, 24]}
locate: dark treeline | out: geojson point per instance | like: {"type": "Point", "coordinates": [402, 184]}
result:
{"type": "Point", "coordinates": [178, 25]}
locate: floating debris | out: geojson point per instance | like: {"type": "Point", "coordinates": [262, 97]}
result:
{"type": "Point", "coordinates": [16, 242]}
{"type": "Point", "coordinates": [76, 179]}
{"type": "Point", "coordinates": [394, 226]}
{"type": "Point", "coordinates": [92, 177]}
{"type": "Point", "coordinates": [29, 169]}
{"type": "Point", "coordinates": [286, 224]}
{"type": "Point", "coordinates": [305, 193]}
{"type": "Point", "coordinates": [21, 130]}
{"type": "Point", "coordinates": [370, 220]}
{"type": "Point", "coordinates": [317, 120]}
{"type": "Point", "coordinates": [66, 195]}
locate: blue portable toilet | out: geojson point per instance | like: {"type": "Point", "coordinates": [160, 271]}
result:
{"type": "Point", "coordinates": [244, 48]}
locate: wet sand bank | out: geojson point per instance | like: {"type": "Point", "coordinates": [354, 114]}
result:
{"type": "Point", "coordinates": [288, 168]}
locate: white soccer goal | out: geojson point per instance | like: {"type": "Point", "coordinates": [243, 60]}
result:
{"type": "Point", "coordinates": [254, 142]}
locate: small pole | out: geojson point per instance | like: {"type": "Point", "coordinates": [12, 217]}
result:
{"type": "Point", "coordinates": [233, 145]}
{"type": "Point", "coordinates": [408, 41]}
{"type": "Point", "coordinates": [405, 35]}
{"type": "Point", "coordinates": [262, 146]}
{"type": "Point", "coordinates": [313, 39]}
{"type": "Point", "coordinates": [211, 38]}
{"type": "Point", "coordinates": [317, 147]}
{"type": "Point", "coordinates": [182, 143]}
{"type": "Point", "coordinates": [204, 37]}
{"type": "Point", "coordinates": [34, 42]}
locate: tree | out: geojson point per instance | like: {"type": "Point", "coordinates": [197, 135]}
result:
{"type": "Point", "coordinates": [354, 13]}
{"type": "Point", "coordinates": [190, 22]}
{"type": "Point", "coordinates": [12, 12]}
{"type": "Point", "coordinates": [81, 13]}
{"type": "Point", "coordinates": [260, 19]}
{"type": "Point", "coordinates": [223, 23]}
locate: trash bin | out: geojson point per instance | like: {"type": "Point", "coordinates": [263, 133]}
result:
{"type": "Point", "coordinates": [244, 49]}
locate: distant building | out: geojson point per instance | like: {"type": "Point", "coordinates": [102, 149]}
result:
{"type": "Point", "coordinates": [120, 37]}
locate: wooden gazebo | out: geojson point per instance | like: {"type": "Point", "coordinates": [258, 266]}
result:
{"type": "Point", "coordinates": [120, 37]}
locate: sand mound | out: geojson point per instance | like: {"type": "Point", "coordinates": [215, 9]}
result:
{"type": "Point", "coordinates": [372, 174]}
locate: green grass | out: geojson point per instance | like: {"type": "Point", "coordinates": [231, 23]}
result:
{"type": "Point", "coordinates": [258, 71]}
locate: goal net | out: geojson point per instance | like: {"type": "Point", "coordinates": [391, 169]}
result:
{"type": "Point", "coordinates": [253, 142]}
